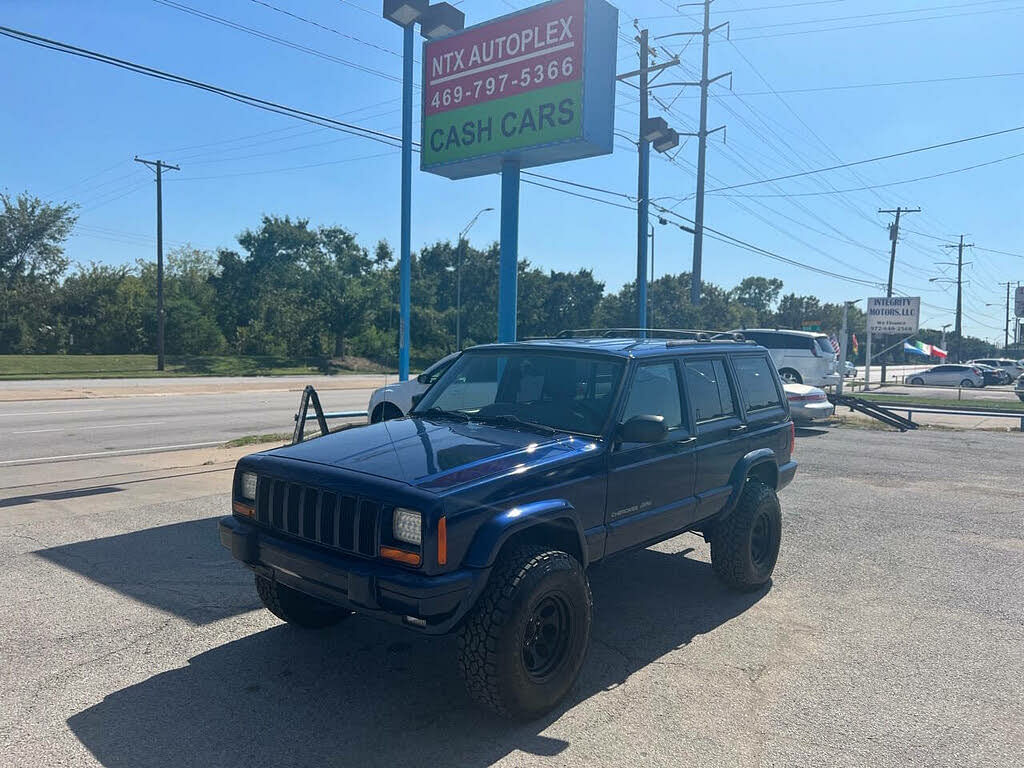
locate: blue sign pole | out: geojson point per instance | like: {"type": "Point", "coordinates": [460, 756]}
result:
{"type": "Point", "coordinates": [643, 191]}
{"type": "Point", "coordinates": [405, 257]}
{"type": "Point", "coordinates": [508, 273]}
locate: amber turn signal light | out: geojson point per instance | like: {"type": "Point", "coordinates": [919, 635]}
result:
{"type": "Point", "coordinates": [393, 553]}
{"type": "Point", "coordinates": [240, 508]}
{"type": "Point", "coordinates": [442, 541]}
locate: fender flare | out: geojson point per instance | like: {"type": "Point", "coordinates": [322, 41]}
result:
{"type": "Point", "coordinates": [760, 457]}
{"type": "Point", "coordinates": [493, 534]}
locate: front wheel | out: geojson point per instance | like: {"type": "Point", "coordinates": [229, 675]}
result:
{"type": "Point", "coordinates": [523, 643]}
{"type": "Point", "coordinates": [745, 546]}
{"type": "Point", "coordinates": [917, 380]}
{"type": "Point", "coordinates": [296, 607]}
{"type": "Point", "coordinates": [967, 383]}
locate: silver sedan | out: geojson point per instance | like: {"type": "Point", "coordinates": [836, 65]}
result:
{"type": "Point", "coordinates": [808, 404]}
{"type": "Point", "coordinates": [949, 376]}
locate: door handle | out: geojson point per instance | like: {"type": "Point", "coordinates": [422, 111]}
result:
{"type": "Point", "coordinates": [740, 428]}
{"type": "Point", "coordinates": [686, 440]}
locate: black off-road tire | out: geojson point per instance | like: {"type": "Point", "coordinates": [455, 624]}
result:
{"type": "Point", "coordinates": [296, 607]}
{"type": "Point", "coordinates": [745, 546]}
{"type": "Point", "coordinates": [494, 652]}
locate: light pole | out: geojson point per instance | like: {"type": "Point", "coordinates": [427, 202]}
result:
{"type": "Point", "coordinates": [458, 278]}
{"type": "Point", "coordinates": [943, 345]}
{"type": "Point", "coordinates": [435, 21]}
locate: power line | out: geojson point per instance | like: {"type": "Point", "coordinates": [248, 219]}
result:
{"type": "Point", "coordinates": [871, 159]}
{"type": "Point", "coordinates": [314, 23]}
{"type": "Point", "coordinates": [890, 183]}
{"type": "Point", "coordinates": [750, 10]}
{"type": "Point", "coordinates": [275, 39]}
{"type": "Point", "coordinates": [1002, 253]}
{"type": "Point", "coordinates": [894, 83]}
{"type": "Point", "coordinates": [242, 98]}
{"type": "Point", "coordinates": [875, 15]}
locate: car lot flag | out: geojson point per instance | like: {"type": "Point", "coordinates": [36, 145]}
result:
{"type": "Point", "coordinates": [834, 342]}
{"type": "Point", "coordinates": [911, 349]}
{"type": "Point", "coordinates": [936, 352]}
{"type": "Point", "coordinates": [856, 346]}
{"type": "Point", "coordinates": [926, 348]}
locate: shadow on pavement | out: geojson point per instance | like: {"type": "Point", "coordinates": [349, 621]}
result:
{"type": "Point", "coordinates": [366, 693]}
{"type": "Point", "coordinates": [811, 431]}
{"type": "Point", "coordinates": [180, 568]}
{"type": "Point", "coordinates": [76, 493]}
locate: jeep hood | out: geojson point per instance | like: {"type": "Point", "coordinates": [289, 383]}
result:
{"type": "Point", "coordinates": [436, 455]}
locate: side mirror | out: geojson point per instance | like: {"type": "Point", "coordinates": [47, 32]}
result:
{"type": "Point", "coordinates": [423, 378]}
{"type": "Point", "coordinates": [643, 429]}
{"type": "Point", "coordinates": [416, 399]}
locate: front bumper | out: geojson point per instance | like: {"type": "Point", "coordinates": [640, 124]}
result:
{"type": "Point", "coordinates": [370, 587]}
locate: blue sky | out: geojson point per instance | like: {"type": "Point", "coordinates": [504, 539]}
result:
{"type": "Point", "coordinates": [69, 129]}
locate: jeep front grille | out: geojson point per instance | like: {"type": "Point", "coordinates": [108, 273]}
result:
{"type": "Point", "coordinates": [337, 520]}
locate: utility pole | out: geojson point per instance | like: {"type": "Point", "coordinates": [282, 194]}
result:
{"type": "Point", "coordinates": [643, 179]}
{"type": "Point", "coordinates": [894, 234]}
{"type": "Point", "coordinates": [958, 327]}
{"type": "Point", "coordinates": [159, 165]}
{"type": "Point", "coordinates": [1006, 327]}
{"type": "Point", "coordinates": [702, 145]}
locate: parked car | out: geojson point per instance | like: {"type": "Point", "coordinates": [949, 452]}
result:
{"type": "Point", "coordinates": [1019, 388]}
{"type": "Point", "coordinates": [849, 369]}
{"type": "Point", "coordinates": [480, 512]}
{"type": "Point", "coordinates": [949, 375]}
{"type": "Point", "coordinates": [395, 400]}
{"type": "Point", "coordinates": [802, 357]}
{"type": "Point", "coordinates": [993, 375]}
{"type": "Point", "coordinates": [808, 404]}
{"type": "Point", "coordinates": [1014, 368]}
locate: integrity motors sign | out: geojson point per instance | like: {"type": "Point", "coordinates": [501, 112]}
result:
{"type": "Point", "coordinates": [894, 315]}
{"type": "Point", "coordinates": [538, 85]}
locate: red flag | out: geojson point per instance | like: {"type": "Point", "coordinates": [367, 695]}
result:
{"type": "Point", "coordinates": [936, 352]}
{"type": "Point", "coordinates": [855, 345]}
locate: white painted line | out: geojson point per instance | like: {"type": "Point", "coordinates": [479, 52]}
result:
{"type": "Point", "coordinates": [505, 63]}
{"type": "Point", "coordinates": [52, 413]}
{"type": "Point", "coordinates": [87, 428]}
{"type": "Point", "coordinates": [153, 449]}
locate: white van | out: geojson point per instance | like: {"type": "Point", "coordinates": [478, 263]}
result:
{"type": "Point", "coordinates": [802, 357]}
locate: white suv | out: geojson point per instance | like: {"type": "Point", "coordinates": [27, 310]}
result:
{"type": "Point", "coordinates": [802, 357]}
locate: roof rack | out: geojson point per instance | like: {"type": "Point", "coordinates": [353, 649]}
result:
{"type": "Point", "coordinates": [680, 334]}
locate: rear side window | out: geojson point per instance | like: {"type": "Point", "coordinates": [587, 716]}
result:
{"type": "Point", "coordinates": [707, 386]}
{"type": "Point", "coordinates": [825, 346]}
{"type": "Point", "coordinates": [754, 377]}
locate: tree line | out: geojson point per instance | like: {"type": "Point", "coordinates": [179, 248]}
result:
{"type": "Point", "coordinates": [293, 290]}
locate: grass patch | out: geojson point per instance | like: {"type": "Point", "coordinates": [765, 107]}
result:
{"type": "Point", "coordinates": [13, 367]}
{"type": "Point", "coordinates": [896, 401]}
{"type": "Point", "coordinates": [277, 437]}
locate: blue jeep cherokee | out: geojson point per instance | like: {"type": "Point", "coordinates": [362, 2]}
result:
{"type": "Point", "coordinates": [524, 464]}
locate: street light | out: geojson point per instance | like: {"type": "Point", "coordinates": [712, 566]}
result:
{"type": "Point", "coordinates": [458, 278]}
{"type": "Point", "coordinates": [435, 21]}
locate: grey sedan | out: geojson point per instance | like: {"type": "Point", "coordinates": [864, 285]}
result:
{"type": "Point", "coordinates": [808, 404]}
{"type": "Point", "coordinates": [949, 376]}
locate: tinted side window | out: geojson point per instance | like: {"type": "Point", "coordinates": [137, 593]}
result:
{"type": "Point", "coordinates": [438, 371]}
{"type": "Point", "coordinates": [655, 391]}
{"type": "Point", "coordinates": [754, 377]}
{"type": "Point", "coordinates": [708, 387]}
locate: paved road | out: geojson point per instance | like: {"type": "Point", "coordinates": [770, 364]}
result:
{"type": "Point", "coordinates": [47, 430]}
{"type": "Point", "coordinates": [893, 635]}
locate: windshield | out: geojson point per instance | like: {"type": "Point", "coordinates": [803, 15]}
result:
{"type": "Point", "coordinates": [569, 393]}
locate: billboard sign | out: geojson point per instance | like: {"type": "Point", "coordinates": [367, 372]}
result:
{"type": "Point", "coordinates": [538, 85]}
{"type": "Point", "coordinates": [896, 315]}
{"type": "Point", "coordinates": [1018, 303]}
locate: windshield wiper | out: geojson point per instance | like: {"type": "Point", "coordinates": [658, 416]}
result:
{"type": "Point", "coordinates": [515, 421]}
{"type": "Point", "coordinates": [442, 413]}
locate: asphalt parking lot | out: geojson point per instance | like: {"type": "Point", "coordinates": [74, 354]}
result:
{"type": "Point", "coordinates": [892, 635]}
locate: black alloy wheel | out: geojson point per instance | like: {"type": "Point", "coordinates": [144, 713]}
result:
{"type": "Point", "coordinates": [546, 638]}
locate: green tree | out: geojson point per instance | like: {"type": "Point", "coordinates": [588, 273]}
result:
{"type": "Point", "coordinates": [32, 236]}
{"type": "Point", "coordinates": [758, 294]}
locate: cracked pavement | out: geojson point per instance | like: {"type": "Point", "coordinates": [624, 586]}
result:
{"type": "Point", "coordinates": [892, 635]}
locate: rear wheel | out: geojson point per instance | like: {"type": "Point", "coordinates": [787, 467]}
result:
{"type": "Point", "coordinates": [523, 643]}
{"type": "Point", "coordinates": [745, 546]}
{"type": "Point", "coordinates": [967, 383]}
{"type": "Point", "coordinates": [296, 607]}
{"type": "Point", "coordinates": [789, 376]}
